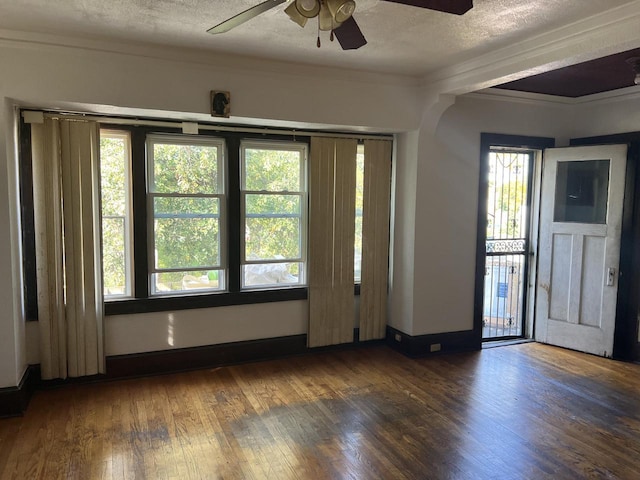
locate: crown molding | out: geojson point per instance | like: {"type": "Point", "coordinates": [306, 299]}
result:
{"type": "Point", "coordinates": [620, 95]}
{"type": "Point", "coordinates": [609, 32]}
{"type": "Point", "coordinates": [247, 65]}
{"type": "Point", "coordinates": [513, 96]}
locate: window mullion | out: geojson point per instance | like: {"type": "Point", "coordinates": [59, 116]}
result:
{"type": "Point", "coordinates": [234, 219]}
{"type": "Point", "coordinates": [140, 245]}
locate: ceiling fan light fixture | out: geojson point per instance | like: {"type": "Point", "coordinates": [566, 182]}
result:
{"type": "Point", "coordinates": [295, 15]}
{"type": "Point", "coordinates": [308, 8]}
{"type": "Point", "coordinates": [341, 10]}
{"type": "Point", "coordinates": [325, 19]}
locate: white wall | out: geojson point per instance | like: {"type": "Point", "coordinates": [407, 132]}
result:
{"type": "Point", "coordinates": [608, 117]}
{"type": "Point", "coordinates": [149, 332]}
{"type": "Point", "coordinates": [12, 347]}
{"type": "Point", "coordinates": [46, 75]}
{"type": "Point", "coordinates": [447, 199]}
{"type": "Point", "coordinates": [403, 208]}
{"type": "Point", "coordinates": [170, 83]}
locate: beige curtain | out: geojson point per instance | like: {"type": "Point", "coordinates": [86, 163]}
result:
{"type": "Point", "coordinates": [67, 228]}
{"type": "Point", "coordinates": [375, 239]}
{"type": "Point", "coordinates": [331, 239]}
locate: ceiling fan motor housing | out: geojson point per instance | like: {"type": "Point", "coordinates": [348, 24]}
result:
{"type": "Point", "coordinates": [308, 8]}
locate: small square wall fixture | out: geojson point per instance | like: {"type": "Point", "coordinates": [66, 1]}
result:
{"type": "Point", "coordinates": [220, 103]}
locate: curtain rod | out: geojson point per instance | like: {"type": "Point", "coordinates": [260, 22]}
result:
{"type": "Point", "coordinates": [193, 127]}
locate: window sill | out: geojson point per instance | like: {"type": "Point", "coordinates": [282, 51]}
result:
{"type": "Point", "coordinates": [186, 302]}
{"type": "Point", "coordinates": [209, 300]}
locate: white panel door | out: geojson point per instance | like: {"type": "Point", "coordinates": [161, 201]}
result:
{"type": "Point", "coordinates": [579, 249]}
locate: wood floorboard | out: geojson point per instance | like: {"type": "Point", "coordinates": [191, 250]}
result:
{"type": "Point", "coordinates": [526, 411]}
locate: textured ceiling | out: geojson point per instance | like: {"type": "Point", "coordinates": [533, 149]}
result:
{"type": "Point", "coordinates": [402, 39]}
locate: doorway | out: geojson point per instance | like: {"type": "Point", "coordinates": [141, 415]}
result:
{"type": "Point", "coordinates": [579, 255]}
{"type": "Point", "coordinates": [505, 248]}
{"type": "Point", "coordinates": [575, 266]}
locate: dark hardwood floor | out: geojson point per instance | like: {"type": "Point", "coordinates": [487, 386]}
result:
{"type": "Point", "coordinates": [522, 411]}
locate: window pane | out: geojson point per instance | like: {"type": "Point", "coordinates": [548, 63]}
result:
{"type": "Point", "coordinates": [272, 226]}
{"type": "Point", "coordinates": [195, 281]}
{"type": "Point", "coordinates": [113, 166]}
{"type": "Point", "coordinates": [180, 207]}
{"type": "Point", "coordinates": [272, 205]}
{"type": "Point", "coordinates": [114, 263]}
{"type": "Point", "coordinates": [507, 196]}
{"type": "Point", "coordinates": [274, 223]}
{"type": "Point", "coordinates": [263, 275]}
{"type": "Point", "coordinates": [272, 170]}
{"type": "Point", "coordinates": [357, 258]}
{"type": "Point", "coordinates": [185, 168]}
{"type": "Point", "coordinates": [272, 238]}
{"type": "Point", "coordinates": [114, 191]}
{"type": "Point", "coordinates": [582, 189]}
{"type": "Point", "coordinates": [187, 232]}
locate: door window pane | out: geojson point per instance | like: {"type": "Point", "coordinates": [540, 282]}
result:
{"type": "Point", "coordinates": [582, 189]}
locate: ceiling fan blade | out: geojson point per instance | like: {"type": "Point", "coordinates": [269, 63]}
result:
{"type": "Point", "coordinates": [349, 35]}
{"type": "Point", "coordinates": [459, 7]}
{"type": "Point", "coordinates": [245, 16]}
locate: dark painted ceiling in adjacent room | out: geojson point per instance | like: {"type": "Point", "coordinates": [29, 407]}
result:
{"type": "Point", "coordinates": [596, 76]}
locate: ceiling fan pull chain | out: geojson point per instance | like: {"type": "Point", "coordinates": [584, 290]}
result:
{"type": "Point", "coordinates": [332, 26]}
{"type": "Point", "coordinates": [318, 42]}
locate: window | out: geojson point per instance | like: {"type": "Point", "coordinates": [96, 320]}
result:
{"type": "Point", "coordinates": [222, 219]}
{"type": "Point", "coordinates": [273, 213]}
{"type": "Point", "coordinates": [115, 184]}
{"type": "Point", "coordinates": [223, 215]}
{"type": "Point", "coordinates": [197, 221]}
{"type": "Point", "coordinates": [357, 258]}
{"type": "Point", "coordinates": [186, 204]}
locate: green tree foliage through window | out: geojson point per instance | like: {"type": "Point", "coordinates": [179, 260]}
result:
{"type": "Point", "coordinates": [114, 177]}
{"type": "Point", "coordinates": [185, 238]}
{"type": "Point", "coordinates": [186, 190]}
{"type": "Point", "coordinates": [507, 199]}
{"type": "Point", "coordinates": [273, 183]}
{"type": "Point", "coordinates": [185, 168]}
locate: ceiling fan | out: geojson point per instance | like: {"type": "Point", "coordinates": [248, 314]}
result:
{"type": "Point", "coordinates": [335, 16]}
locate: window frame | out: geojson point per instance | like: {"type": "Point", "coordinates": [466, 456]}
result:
{"type": "Point", "coordinates": [302, 194]}
{"type": "Point", "coordinates": [141, 300]}
{"type": "Point", "coordinates": [187, 140]}
{"type": "Point", "coordinates": [128, 217]}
